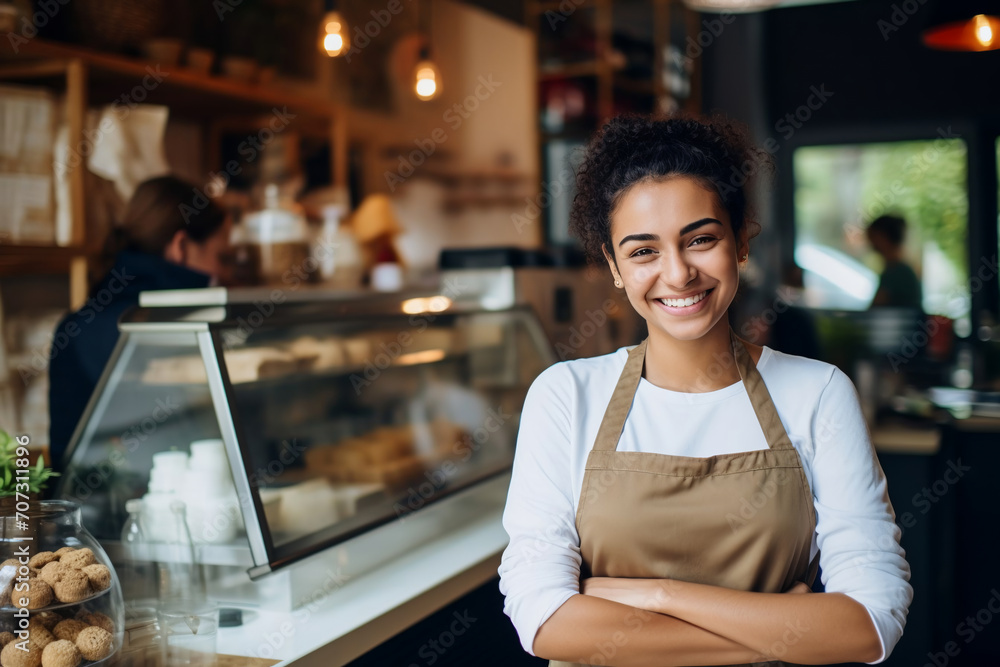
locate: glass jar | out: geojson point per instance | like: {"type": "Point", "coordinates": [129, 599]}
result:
{"type": "Point", "coordinates": [274, 241]}
{"type": "Point", "coordinates": [49, 566]}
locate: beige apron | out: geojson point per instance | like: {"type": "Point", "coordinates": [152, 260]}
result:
{"type": "Point", "coordinates": [743, 521]}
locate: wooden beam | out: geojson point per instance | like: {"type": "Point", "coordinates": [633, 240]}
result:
{"type": "Point", "coordinates": [31, 70]}
{"type": "Point", "coordinates": [603, 26]}
{"type": "Point", "coordinates": [79, 286]}
{"type": "Point", "coordinates": [339, 150]}
{"type": "Point", "coordinates": [134, 69]}
{"type": "Point", "coordinates": [76, 114]}
{"type": "Point", "coordinates": [694, 99]}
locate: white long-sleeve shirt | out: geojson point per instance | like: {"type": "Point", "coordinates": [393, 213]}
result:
{"type": "Point", "coordinates": [856, 532]}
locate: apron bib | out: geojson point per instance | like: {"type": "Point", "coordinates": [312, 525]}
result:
{"type": "Point", "coordinates": [743, 521]}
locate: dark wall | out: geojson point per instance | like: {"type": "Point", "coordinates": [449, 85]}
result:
{"type": "Point", "coordinates": [875, 81]}
{"type": "Point", "coordinates": [879, 72]}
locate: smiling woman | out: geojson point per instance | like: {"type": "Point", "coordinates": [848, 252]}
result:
{"type": "Point", "coordinates": [629, 539]}
{"type": "Point", "coordinates": [665, 205]}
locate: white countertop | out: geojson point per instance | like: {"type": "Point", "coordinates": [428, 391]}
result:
{"type": "Point", "coordinates": [361, 613]}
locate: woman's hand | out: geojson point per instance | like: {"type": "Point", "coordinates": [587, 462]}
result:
{"type": "Point", "coordinates": [799, 588]}
{"type": "Point", "coordinates": [649, 594]}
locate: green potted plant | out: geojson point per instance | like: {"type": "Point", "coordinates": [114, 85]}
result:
{"type": "Point", "coordinates": [38, 474]}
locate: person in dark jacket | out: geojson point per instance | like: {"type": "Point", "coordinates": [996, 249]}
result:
{"type": "Point", "coordinates": [898, 285]}
{"type": "Point", "coordinates": [169, 238]}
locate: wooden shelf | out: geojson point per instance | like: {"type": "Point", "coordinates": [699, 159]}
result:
{"type": "Point", "coordinates": [608, 80]}
{"type": "Point", "coordinates": [557, 5]}
{"type": "Point", "coordinates": [459, 202]}
{"type": "Point", "coordinates": [576, 132]}
{"type": "Point", "coordinates": [38, 260]}
{"type": "Point", "coordinates": [111, 76]}
{"type": "Point", "coordinates": [88, 78]}
{"type": "Point", "coordinates": [455, 177]}
{"type": "Point", "coordinates": [570, 70]}
{"type": "Point", "coordinates": [639, 86]}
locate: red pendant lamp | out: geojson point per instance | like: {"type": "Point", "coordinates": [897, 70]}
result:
{"type": "Point", "coordinates": [963, 25]}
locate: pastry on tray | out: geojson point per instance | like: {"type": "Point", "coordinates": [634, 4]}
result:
{"type": "Point", "coordinates": [324, 353]}
{"type": "Point", "coordinates": [387, 454]}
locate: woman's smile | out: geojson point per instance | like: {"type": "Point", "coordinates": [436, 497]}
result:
{"type": "Point", "coordinates": [685, 306]}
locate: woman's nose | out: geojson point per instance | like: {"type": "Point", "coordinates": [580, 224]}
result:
{"type": "Point", "coordinates": [676, 273]}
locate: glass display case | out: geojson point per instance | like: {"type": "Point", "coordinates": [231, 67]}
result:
{"type": "Point", "coordinates": [336, 415]}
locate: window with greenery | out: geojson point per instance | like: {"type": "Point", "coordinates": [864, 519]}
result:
{"type": "Point", "coordinates": [839, 190]}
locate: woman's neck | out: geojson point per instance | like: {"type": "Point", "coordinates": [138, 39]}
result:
{"type": "Point", "coordinates": [692, 366]}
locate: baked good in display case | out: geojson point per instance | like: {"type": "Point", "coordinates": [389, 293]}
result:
{"type": "Point", "coordinates": [60, 600]}
{"type": "Point", "coordinates": [390, 455]}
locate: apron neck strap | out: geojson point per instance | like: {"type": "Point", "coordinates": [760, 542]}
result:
{"type": "Point", "coordinates": [628, 382]}
{"type": "Point", "coordinates": [621, 400]}
{"type": "Point", "coordinates": [760, 397]}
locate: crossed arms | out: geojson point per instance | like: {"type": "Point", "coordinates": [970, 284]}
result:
{"type": "Point", "coordinates": [661, 622]}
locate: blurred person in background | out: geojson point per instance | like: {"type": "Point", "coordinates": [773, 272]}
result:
{"type": "Point", "coordinates": [898, 285]}
{"type": "Point", "coordinates": [166, 240]}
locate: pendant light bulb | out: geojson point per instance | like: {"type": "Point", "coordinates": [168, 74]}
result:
{"type": "Point", "coordinates": [984, 33]}
{"type": "Point", "coordinates": [427, 77]}
{"type": "Point", "coordinates": [963, 25]}
{"type": "Point", "coordinates": [333, 35]}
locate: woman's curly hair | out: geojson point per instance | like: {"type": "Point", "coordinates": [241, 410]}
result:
{"type": "Point", "coordinates": [632, 148]}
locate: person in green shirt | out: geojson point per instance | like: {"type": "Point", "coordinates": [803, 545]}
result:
{"type": "Point", "coordinates": [898, 285]}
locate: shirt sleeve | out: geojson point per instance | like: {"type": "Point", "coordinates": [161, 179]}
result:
{"type": "Point", "coordinates": [858, 538]}
{"type": "Point", "coordinates": [540, 568]}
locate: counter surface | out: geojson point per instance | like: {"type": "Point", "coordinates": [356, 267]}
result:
{"type": "Point", "coordinates": [362, 613]}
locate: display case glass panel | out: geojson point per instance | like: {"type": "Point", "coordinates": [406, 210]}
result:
{"type": "Point", "coordinates": [337, 416]}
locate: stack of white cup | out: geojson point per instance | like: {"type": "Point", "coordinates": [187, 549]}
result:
{"type": "Point", "coordinates": [214, 515]}
{"type": "Point", "coordinates": [165, 478]}
{"type": "Point", "coordinates": [205, 484]}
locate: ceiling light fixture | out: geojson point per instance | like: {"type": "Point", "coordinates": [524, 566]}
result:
{"type": "Point", "coordinates": [733, 6]}
{"type": "Point", "coordinates": [426, 75]}
{"type": "Point", "coordinates": [334, 38]}
{"type": "Point", "coordinates": [963, 25]}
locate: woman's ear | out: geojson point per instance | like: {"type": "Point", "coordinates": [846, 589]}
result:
{"type": "Point", "coordinates": [611, 265]}
{"type": "Point", "coordinates": [176, 250]}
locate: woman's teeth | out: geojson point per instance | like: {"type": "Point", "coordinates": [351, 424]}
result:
{"type": "Point", "coordinates": [680, 303]}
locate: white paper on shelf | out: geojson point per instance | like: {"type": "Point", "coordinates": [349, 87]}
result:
{"type": "Point", "coordinates": [128, 147]}
{"type": "Point", "coordinates": [64, 209]}
{"type": "Point", "coordinates": [26, 213]}
{"type": "Point", "coordinates": [26, 116]}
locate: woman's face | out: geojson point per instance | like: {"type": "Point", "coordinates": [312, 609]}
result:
{"type": "Point", "coordinates": [673, 240]}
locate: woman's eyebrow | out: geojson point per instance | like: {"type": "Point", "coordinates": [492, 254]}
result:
{"type": "Point", "coordinates": [698, 223]}
{"type": "Point", "coordinates": [690, 227]}
{"type": "Point", "coordinates": [638, 237]}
